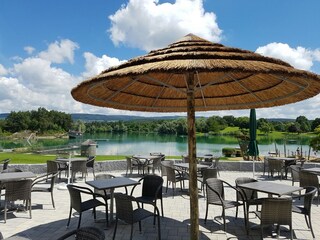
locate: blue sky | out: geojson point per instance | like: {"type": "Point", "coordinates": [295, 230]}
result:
{"type": "Point", "coordinates": [48, 47]}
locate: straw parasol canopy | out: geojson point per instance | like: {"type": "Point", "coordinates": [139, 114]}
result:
{"type": "Point", "coordinates": [193, 74]}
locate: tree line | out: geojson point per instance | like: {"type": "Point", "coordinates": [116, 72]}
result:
{"type": "Point", "coordinates": [44, 121]}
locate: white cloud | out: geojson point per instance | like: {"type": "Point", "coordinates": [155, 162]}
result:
{"type": "Point", "coordinates": [299, 57]}
{"type": "Point", "coordinates": [147, 25]}
{"type": "Point", "coordinates": [58, 52]}
{"type": "Point", "coordinates": [95, 65]}
{"type": "Point", "coordinates": [3, 71]}
{"type": "Point", "coordinates": [29, 49]}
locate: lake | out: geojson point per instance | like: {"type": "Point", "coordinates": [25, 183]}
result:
{"type": "Point", "coordinates": [128, 144]}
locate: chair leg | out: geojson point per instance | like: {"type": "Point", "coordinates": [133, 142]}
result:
{"type": "Point", "coordinates": [79, 222]}
{"type": "Point", "coordinates": [115, 229]}
{"type": "Point", "coordinates": [69, 217]}
{"type": "Point", "coordinates": [205, 218]}
{"type": "Point", "coordinates": [52, 200]}
{"type": "Point", "coordinates": [310, 225]}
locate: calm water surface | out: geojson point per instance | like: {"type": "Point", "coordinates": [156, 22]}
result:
{"type": "Point", "coordinates": [128, 144]}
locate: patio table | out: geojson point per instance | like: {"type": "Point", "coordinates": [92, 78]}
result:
{"type": "Point", "coordinates": [271, 188]}
{"type": "Point", "coordinates": [112, 183]}
{"type": "Point", "coordinates": [185, 166]}
{"type": "Point", "coordinates": [315, 170]}
{"type": "Point", "coordinates": [11, 176]}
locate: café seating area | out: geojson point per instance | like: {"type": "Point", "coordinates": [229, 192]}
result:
{"type": "Point", "coordinates": [50, 218]}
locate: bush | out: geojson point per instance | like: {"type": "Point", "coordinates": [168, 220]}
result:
{"type": "Point", "coordinates": [228, 152]}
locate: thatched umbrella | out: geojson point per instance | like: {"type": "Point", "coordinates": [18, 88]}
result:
{"type": "Point", "coordinates": [194, 74]}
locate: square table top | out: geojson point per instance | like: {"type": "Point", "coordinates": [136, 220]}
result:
{"type": "Point", "coordinates": [10, 176]}
{"type": "Point", "coordinates": [186, 165]}
{"type": "Point", "coordinates": [116, 182]}
{"type": "Point", "coordinates": [70, 159]}
{"type": "Point", "coordinates": [271, 187]}
{"type": "Point", "coordinates": [282, 158]}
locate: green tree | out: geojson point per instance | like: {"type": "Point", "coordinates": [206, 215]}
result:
{"type": "Point", "coordinates": [304, 123]}
{"type": "Point", "coordinates": [315, 123]}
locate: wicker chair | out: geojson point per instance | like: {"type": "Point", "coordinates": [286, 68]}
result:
{"type": "Point", "coordinates": [105, 194]}
{"type": "Point", "coordinates": [155, 164]}
{"type": "Point", "coordinates": [276, 211]}
{"type": "Point", "coordinates": [78, 166]}
{"type": "Point", "coordinates": [295, 173]}
{"type": "Point", "coordinates": [5, 163]}
{"type": "Point", "coordinates": [90, 164]}
{"type": "Point", "coordinates": [174, 176]}
{"type": "Point", "coordinates": [215, 196]}
{"type": "Point", "coordinates": [17, 190]}
{"type": "Point", "coordinates": [132, 163]}
{"type": "Point", "coordinates": [250, 196]}
{"type": "Point", "coordinates": [39, 184]}
{"type": "Point", "coordinates": [215, 164]}
{"type": "Point", "coordinates": [207, 173]}
{"type": "Point", "coordinates": [85, 233]}
{"type": "Point", "coordinates": [151, 191]}
{"type": "Point", "coordinates": [276, 166]}
{"type": "Point", "coordinates": [80, 206]}
{"type": "Point", "coordinates": [127, 213]}
{"type": "Point", "coordinates": [310, 192]}
{"type": "Point", "coordinates": [310, 179]}
{"type": "Point", "coordinates": [164, 164]}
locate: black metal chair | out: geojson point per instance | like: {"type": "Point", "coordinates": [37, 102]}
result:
{"type": "Point", "coordinates": [151, 191]}
{"type": "Point", "coordinates": [40, 184]}
{"type": "Point", "coordinates": [80, 206]}
{"type": "Point", "coordinates": [126, 212]}
{"type": "Point", "coordinates": [308, 196]}
{"type": "Point", "coordinates": [216, 196]}
{"type": "Point", "coordinates": [276, 211]}
{"type": "Point", "coordinates": [84, 233]}
{"type": "Point", "coordinates": [17, 190]}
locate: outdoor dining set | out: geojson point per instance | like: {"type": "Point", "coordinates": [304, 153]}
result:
{"type": "Point", "coordinates": [272, 202]}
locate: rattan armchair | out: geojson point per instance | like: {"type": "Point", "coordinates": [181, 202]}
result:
{"type": "Point", "coordinates": [174, 176]}
{"type": "Point", "coordinates": [132, 163]}
{"type": "Point", "coordinates": [295, 173]}
{"type": "Point", "coordinates": [17, 190]}
{"type": "Point", "coordinates": [126, 212]}
{"type": "Point", "coordinates": [276, 211]}
{"type": "Point", "coordinates": [84, 233]}
{"type": "Point", "coordinates": [80, 206]}
{"type": "Point", "coordinates": [207, 173]}
{"type": "Point", "coordinates": [40, 184]}
{"type": "Point", "coordinates": [151, 191]}
{"type": "Point", "coordinates": [276, 166]}
{"type": "Point", "coordinates": [78, 166]}
{"type": "Point", "coordinates": [310, 179]}
{"type": "Point", "coordinates": [308, 196]}
{"type": "Point", "coordinates": [216, 196]}
{"type": "Point", "coordinates": [5, 163]}
{"type": "Point", "coordinates": [90, 164]}
{"type": "Point", "coordinates": [106, 193]}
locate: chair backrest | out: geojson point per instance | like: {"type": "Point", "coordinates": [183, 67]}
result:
{"type": "Point", "coordinates": [5, 163]}
{"type": "Point", "coordinates": [308, 179]}
{"type": "Point", "coordinates": [52, 166]}
{"type": "Point", "coordinates": [275, 165]}
{"type": "Point", "coordinates": [276, 211]}
{"type": "Point", "coordinates": [209, 173]}
{"type": "Point", "coordinates": [152, 186]}
{"type": "Point", "coordinates": [79, 166]}
{"type": "Point", "coordinates": [75, 197]}
{"type": "Point", "coordinates": [185, 159]}
{"type": "Point", "coordinates": [295, 173]}
{"type": "Point", "coordinates": [156, 163]}
{"type": "Point", "coordinates": [215, 190]}
{"type": "Point", "coordinates": [310, 192]}
{"type": "Point", "coordinates": [103, 176]}
{"type": "Point", "coordinates": [171, 174]}
{"type": "Point", "coordinates": [216, 162]}
{"type": "Point", "coordinates": [90, 161]}
{"type": "Point", "coordinates": [164, 164]}
{"type": "Point", "coordinates": [18, 190]}
{"type": "Point", "coordinates": [43, 178]}
{"type": "Point", "coordinates": [247, 193]}
{"type": "Point", "coordinates": [124, 208]}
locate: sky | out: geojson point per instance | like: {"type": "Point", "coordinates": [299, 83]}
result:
{"type": "Point", "coordinates": [48, 47]}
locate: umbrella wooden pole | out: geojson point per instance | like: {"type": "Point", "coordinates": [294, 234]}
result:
{"type": "Point", "coordinates": [193, 187]}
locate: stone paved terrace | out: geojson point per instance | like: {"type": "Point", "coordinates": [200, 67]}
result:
{"type": "Point", "coordinates": [49, 223]}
